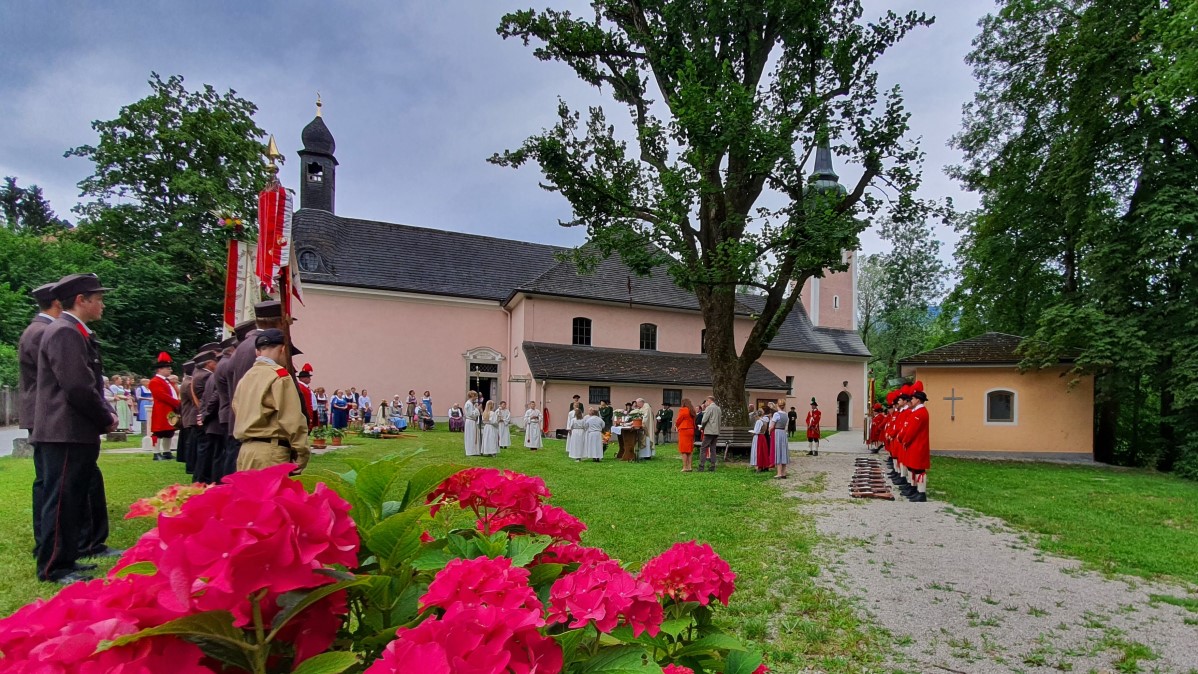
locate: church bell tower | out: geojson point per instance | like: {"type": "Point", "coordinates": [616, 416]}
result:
{"type": "Point", "coordinates": [318, 166]}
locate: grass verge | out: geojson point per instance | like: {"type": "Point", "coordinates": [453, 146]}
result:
{"type": "Point", "coordinates": [1117, 521]}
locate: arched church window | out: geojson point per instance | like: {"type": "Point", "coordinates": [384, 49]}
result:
{"type": "Point", "coordinates": [1000, 407]}
{"type": "Point", "coordinates": [582, 332]}
{"type": "Point", "coordinates": [836, 301]}
{"type": "Point", "coordinates": [309, 261]}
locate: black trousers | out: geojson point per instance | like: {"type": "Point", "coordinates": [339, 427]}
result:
{"type": "Point", "coordinates": [191, 442]}
{"type": "Point", "coordinates": [210, 456]}
{"type": "Point", "coordinates": [39, 494]}
{"type": "Point", "coordinates": [181, 448]}
{"type": "Point", "coordinates": [94, 538]}
{"type": "Point", "coordinates": [70, 471]}
{"type": "Point", "coordinates": [232, 450]}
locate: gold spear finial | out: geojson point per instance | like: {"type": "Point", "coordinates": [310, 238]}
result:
{"type": "Point", "coordinates": [273, 155]}
{"type": "Point", "coordinates": [318, 104]}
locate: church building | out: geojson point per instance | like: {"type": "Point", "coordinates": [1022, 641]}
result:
{"type": "Point", "coordinates": [394, 307]}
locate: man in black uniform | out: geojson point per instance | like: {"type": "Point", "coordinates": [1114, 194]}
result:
{"type": "Point", "coordinates": [213, 441]}
{"type": "Point", "coordinates": [70, 413]}
{"type": "Point", "coordinates": [187, 416]}
{"type": "Point", "coordinates": [48, 308]}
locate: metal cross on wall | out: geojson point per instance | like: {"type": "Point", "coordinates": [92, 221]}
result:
{"type": "Point", "coordinates": [953, 398]}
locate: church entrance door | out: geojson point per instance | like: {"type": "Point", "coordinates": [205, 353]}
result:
{"type": "Point", "coordinates": [486, 389]}
{"type": "Point", "coordinates": [842, 411]}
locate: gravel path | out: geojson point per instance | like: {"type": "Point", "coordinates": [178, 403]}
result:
{"type": "Point", "coordinates": [961, 592]}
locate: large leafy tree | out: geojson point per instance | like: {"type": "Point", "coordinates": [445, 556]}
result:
{"type": "Point", "coordinates": [25, 209]}
{"type": "Point", "coordinates": [1086, 235]}
{"type": "Point", "coordinates": [726, 101]}
{"type": "Point", "coordinates": [160, 168]}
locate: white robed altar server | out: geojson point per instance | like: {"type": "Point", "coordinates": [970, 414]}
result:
{"type": "Point", "coordinates": [490, 420]}
{"type": "Point", "coordinates": [647, 422]}
{"type": "Point", "coordinates": [594, 436]}
{"type": "Point", "coordinates": [576, 441]}
{"type": "Point", "coordinates": [470, 425]}
{"type": "Point", "coordinates": [532, 426]}
{"type": "Point", "coordinates": [505, 425]}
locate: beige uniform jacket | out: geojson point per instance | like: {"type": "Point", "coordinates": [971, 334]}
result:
{"type": "Point", "coordinates": [266, 406]}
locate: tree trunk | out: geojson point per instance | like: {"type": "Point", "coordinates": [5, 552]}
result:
{"type": "Point", "coordinates": [1170, 451]}
{"type": "Point", "coordinates": [1107, 422]}
{"type": "Point", "coordinates": [727, 371]}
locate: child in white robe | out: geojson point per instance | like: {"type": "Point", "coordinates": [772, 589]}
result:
{"type": "Point", "coordinates": [490, 441]}
{"type": "Point", "coordinates": [594, 435]}
{"type": "Point", "coordinates": [532, 426]}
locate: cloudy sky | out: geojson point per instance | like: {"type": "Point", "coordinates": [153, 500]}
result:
{"type": "Point", "coordinates": [417, 93]}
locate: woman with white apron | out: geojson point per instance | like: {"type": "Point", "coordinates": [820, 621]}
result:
{"type": "Point", "coordinates": [576, 441]}
{"type": "Point", "coordinates": [594, 436]}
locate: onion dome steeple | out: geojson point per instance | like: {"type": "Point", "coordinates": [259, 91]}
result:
{"type": "Point", "coordinates": [318, 166]}
{"type": "Point", "coordinates": [824, 179]}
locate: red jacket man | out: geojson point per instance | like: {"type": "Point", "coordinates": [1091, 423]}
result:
{"type": "Point", "coordinates": [918, 452]}
{"type": "Point", "coordinates": [166, 403]}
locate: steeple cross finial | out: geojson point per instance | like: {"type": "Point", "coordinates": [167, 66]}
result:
{"type": "Point", "coordinates": [319, 104]}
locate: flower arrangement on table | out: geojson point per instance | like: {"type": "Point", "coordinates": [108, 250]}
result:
{"type": "Point", "coordinates": [378, 430]}
{"type": "Point", "coordinates": [259, 575]}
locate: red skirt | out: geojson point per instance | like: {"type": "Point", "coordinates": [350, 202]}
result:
{"type": "Point", "coordinates": [765, 452]}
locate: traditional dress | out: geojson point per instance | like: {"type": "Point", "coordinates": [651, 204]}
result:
{"type": "Point", "coordinates": [781, 448]}
{"type": "Point", "coordinates": [427, 402]}
{"type": "Point", "coordinates": [340, 405]}
{"type": "Point", "coordinates": [594, 437]}
{"type": "Point", "coordinates": [505, 428]}
{"type": "Point", "coordinates": [470, 429]}
{"type": "Point", "coordinates": [532, 429]}
{"type": "Point", "coordinates": [576, 441]}
{"type": "Point", "coordinates": [763, 449]}
{"type": "Point", "coordinates": [490, 443]}
{"type": "Point", "coordinates": [322, 408]}
{"type": "Point", "coordinates": [144, 400]}
{"type": "Point", "coordinates": [456, 422]}
{"type": "Point", "coordinates": [685, 423]}
{"type": "Point", "coordinates": [120, 399]}
{"type": "Point", "coordinates": [813, 425]}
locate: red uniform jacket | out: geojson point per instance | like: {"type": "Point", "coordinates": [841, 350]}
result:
{"type": "Point", "coordinates": [875, 428]}
{"type": "Point", "coordinates": [897, 449]}
{"type": "Point", "coordinates": [813, 424]}
{"type": "Point", "coordinates": [306, 399]}
{"type": "Point", "coordinates": [166, 399]}
{"type": "Point", "coordinates": [918, 452]}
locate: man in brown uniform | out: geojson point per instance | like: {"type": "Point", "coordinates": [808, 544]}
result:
{"type": "Point", "coordinates": [197, 391]}
{"type": "Point", "coordinates": [70, 413]}
{"type": "Point", "coordinates": [268, 415]}
{"type": "Point", "coordinates": [48, 308]}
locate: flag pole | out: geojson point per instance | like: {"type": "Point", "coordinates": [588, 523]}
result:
{"type": "Point", "coordinates": [283, 279]}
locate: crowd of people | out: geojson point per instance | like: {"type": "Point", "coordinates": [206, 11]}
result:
{"type": "Point", "coordinates": [237, 407]}
{"type": "Point", "coordinates": [901, 428]}
{"type": "Point", "coordinates": [349, 407]}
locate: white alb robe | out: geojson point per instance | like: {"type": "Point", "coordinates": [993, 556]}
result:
{"type": "Point", "coordinates": [505, 428]}
{"type": "Point", "coordinates": [576, 442]}
{"type": "Point", "coordinates": [470, 429]}
{"type": "Point", "coordinates": [594, 437]}
{"type": "Point", "coordinates": [490, 443]}
{"type": "Point", "coordinates": [532, 429]}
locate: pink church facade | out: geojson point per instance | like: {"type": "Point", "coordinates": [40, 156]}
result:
{"type": "Point", "coordinates": [391, 308]}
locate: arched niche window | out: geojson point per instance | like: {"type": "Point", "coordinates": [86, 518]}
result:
{"type": "Point", "coordinates": [1001, 407]}
{"type": "Point", "coordinates": [315, 172]}
{"type": "Point", "coordinates": [648, 337]}
{"type": "Point", "coordinates": [581, 332]}
{"type": "Point", "coordinates": [703, 341]}
{"type": "Point", "coordinates": [836, 301]}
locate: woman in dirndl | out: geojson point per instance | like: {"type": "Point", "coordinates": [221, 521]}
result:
{"type": "Point", "coordinates": [778, 430]}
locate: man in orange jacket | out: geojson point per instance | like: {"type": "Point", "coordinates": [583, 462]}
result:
{"type": "Point", "coordinates": [164, 414]}
{"type": "Point", "coordinates": [918, 452]}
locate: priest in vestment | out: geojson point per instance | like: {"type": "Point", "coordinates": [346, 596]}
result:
{"type": "Point", "coordinates": [646, 451]}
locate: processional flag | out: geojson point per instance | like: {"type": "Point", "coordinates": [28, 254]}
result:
{"type": "Point", "coordinates": [276, 269]}
{"type": "Point", "coordinates": [241, 283]}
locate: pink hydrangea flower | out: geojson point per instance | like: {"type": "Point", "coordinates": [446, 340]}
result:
{"type": "Point", "coordinates": [604, 592]}
{"type": "Point", "coordinates": [61, 634]}
{"type": "Point", "coordinates": [259, 530]}
{"type": "Point", "coordinates": [677, 669]}
{"type": "Point", "coordinates": [690, 572]}
{"type": "Point", "coordinates": [570, 553]}
{"type": "Point", "coordinates": [470, 583]}
{"type": "Point", "coordinates": [502, 499]}
{"type": "Point", "coordinates": [761, 669]}
{"type": "Point", "coordinates": [484, 640]}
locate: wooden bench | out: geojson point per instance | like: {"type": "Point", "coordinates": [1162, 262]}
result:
{"type": "Point", "coordinates": [735, 436]}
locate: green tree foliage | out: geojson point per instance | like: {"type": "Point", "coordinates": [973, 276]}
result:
{"type": "Point", "coordinates": [1086, 234]}
{"type": "Point", "coordinates": [1173, 79]}
{"type": "Point", "coordinates": [161, 167]}
{"type": "Point", "coordinates": [26, 209]}
{"type": "Point", "coordinates": [897, 293]}
{"type": "Point", "coordinates": [719, 94]}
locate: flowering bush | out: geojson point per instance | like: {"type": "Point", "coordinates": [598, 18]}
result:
{"type": "Point", "coordinates": [253, 576]}
{"type": "Point", "coordinates": [378, 430]}
{"type": "Point", "coordinates": [169, 501]}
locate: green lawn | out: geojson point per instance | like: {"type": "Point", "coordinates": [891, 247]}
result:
{"type": "Point", "coordinates": [633, 510]}
{"type": "Point", "coordinates": [1134, 522]}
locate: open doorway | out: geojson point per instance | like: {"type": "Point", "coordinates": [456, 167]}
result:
{"type": "Point", "coordinates": [842, 410]}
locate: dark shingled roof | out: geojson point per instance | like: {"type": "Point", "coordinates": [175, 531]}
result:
{"type": "Point", "coordinates": [317, 137]}
{"type": "Point", "coordinates": [797, 334]}
{"type": "Point", "coordinates": [372, 254]}
{"type": "Point", "coordinates": [629, 366]}
{"type": "Point", "coordinates": [992, 348]}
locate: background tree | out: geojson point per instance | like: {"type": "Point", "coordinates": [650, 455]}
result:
{"type": "Point", "coordinates": [719, 95]}
{"type": "Point", "coordinates": [161, 167]}
{"type": "Point", "coordinates": [26, 209]}
{"type": "Point", "coordinates": [899, 292]}
{"type": "Point", "coordinates": [1085, 238]}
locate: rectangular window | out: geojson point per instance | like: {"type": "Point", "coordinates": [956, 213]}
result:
{"type": "Point", "coordinates": [790, 386]}
{"type": "Point", "coordinates": [582, 332]}
{"type": "Point", "coordinates": [671, 396]}
{"type": "Point", "coordinates": [1000, 407]}
{"type": "Point", "coordinates": [598, 394]}
{"type": "Point", "coordinates": [648, 337]}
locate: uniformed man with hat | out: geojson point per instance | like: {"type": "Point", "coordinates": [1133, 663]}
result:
{"type": "Point", "coordinates": [216, 413]}
{"type": "Point", "coordinates": [70, 414]}
{"type": "Point", "coordinates": [267, 315]}
{"type": "Point", "coordinates": [269, 418]}
{"type": "Point", "coordinates": [198, 391]}
{"type": "Point", "coordinates": [48, 308]}
{"type": "Point", "coordinates": [187, 416]}
{"type": "Point", "coordinates": [165, 411]}
{"type": "Point", "coordinates": [304, 379]}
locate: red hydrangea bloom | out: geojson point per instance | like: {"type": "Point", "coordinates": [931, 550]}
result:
{"type": "Point", "coordinates": [60, 634]}
{"type": "Point", "coordinates": [258, 530]}
{"type": "Point", "coordinates": [570, 553]}
{"type": "Point", "coordinates": [690, 572]}
{"type": "Point", "coordinates": [484, 640]}
{"type": "Point", "coordinates": [604, 592]}
{"type": "Point", "coordinates": [761, 669]}
{"type": "Point", "coordinates": [312, 632]}
{"type": "Point", "coordinates": [169, 501]}
{"type": "Point", "coordinates": [545, 520]}
{"type": "Point", "coordinates": [470, 583]}
{"type": "Point", "coordinates": [483, 489]}
{"type": "Point", "coordinates": [677, 669]}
